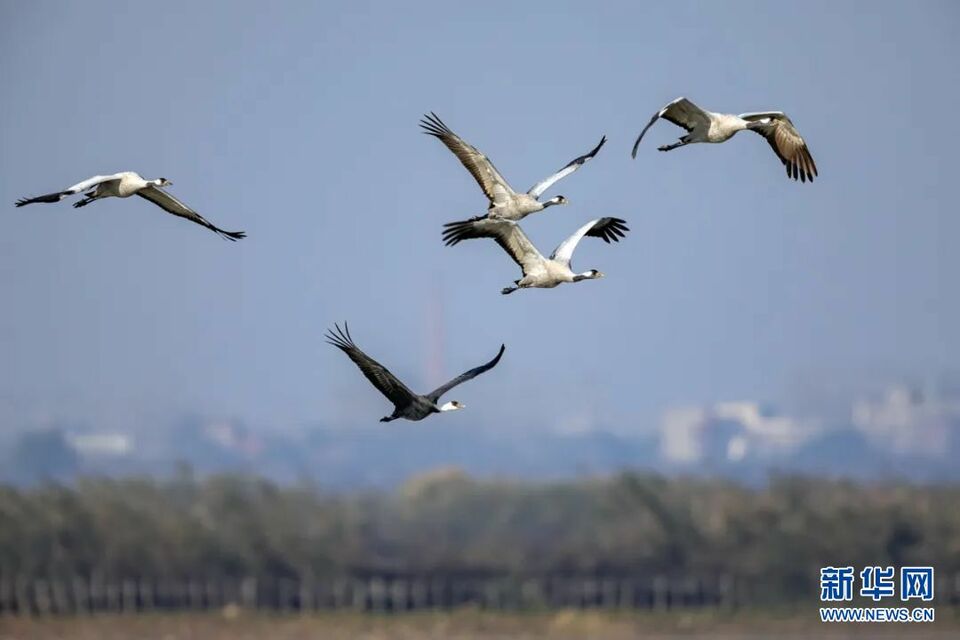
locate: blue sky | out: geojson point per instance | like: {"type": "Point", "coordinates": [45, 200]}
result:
{"type": "Point", "coordinates": [297, 122]}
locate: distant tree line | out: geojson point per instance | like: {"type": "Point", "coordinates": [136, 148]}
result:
{"type": "Point", "coordinates": [446, 523]}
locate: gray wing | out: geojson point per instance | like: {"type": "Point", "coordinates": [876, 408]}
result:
{"type": "Point", "coordinates": [537, 190]}
{"type": "Point", "coordinates": [680, 112]}
{"type": "Point", "coordinates": [494, 185]}
{"type": "Point", "coordinates": [507, 233]}
{"type": "Point", "coordinates": [434, 395]}
{"type": "Point", "coordinates": [378, 375]}
{"type": "Point", "coordinates": [170, 204]}
{"type": "Point", "coordinates": [69, 191]}
{"type": "Point", "coordinates": [786, 142]}
{"type": "Point", "coordinates": [605, 228]}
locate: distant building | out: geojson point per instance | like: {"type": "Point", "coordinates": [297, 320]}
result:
{"type": "Point", "coordinates": [729, 432]}
{"type": "Point", "coordinates": [906, 420]}
{"type": "Point", "coordinates": [101, 444]}
{"type": "Point", "coordinates": [233, 436]}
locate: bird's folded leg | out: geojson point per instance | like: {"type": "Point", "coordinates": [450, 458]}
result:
{"type": "Point", "coordinates": [671, 147]}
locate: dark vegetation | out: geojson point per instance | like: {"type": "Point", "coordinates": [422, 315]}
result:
{"type": "Point", "coordinates": [445, 523]}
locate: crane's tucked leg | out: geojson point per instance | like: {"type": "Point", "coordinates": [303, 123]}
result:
{"type": "Point", "coordinates": [671, 147]}
{"type": "Point", "coordinates": [507, 290]}
{"type": "Point", "coordinates": [387, 418]}
{"type": "Point", "coordinates": [83, 202]}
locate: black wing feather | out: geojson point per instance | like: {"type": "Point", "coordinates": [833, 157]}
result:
{"type": "Point", "coordinates": [166, 201]}
{"type": "Point", "coordinates": [434, 395]}
{"type": "Point", "coordinates": [609, 229]}
{"type": "Point", "coordinates": [378, 375]}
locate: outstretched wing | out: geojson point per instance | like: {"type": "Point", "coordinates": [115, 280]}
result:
{"type": "Point", "coordinates": [69, 191]}
{"type": "Point", "coordinates": [170, 204]}
{"type": "Point", "coordinates": [434, 395]}
{"type": "Point", "coordinates": [605, 228]}
{"type": "Point", "coordinates": [680, 112]}
{"type": "Point", "coordinates": [494, 185]}
{"type": "Point", "coordinates": [507, 233]}
{"type": "Point", "coordinates": [786, 142]}
{"type": "Point", "coordinates": [537, 190]}
{"type": "Point", "coordinates": [378, 375]}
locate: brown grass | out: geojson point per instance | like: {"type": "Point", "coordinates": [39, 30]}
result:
{"type": "Point", "coordinates": [466, 624]}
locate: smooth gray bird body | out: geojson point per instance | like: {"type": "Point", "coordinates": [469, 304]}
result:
{"type": "Point", "coordinates": [505, 203]}
{"type": "Point", "coordinates": [407, 404]}
{"type": "Point", "coordinates": [538, 272]}
{"type": "Point", "coordinates": [124, 185]}
{"type": "Point", "coordinates": [706, 126]}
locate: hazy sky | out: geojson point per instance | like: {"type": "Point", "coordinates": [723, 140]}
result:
{"type": "Point", "coordinates": [297, 122]}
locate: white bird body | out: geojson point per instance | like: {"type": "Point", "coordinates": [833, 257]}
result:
{"type": "Point", "coordinates": [504, 202]}
{"type": "Point", "coordinates": [549, 274]}
{"type": "Point", "coordinates": [707, 126]}
{"type": "Point", "coordinates": [518, 207]}
{"type": "Point", "coordinates": [723, 126]}
{"type": "Point", "coordinates": [124, 185]}
{"type": "Point", "coordinates": [538, 272]}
